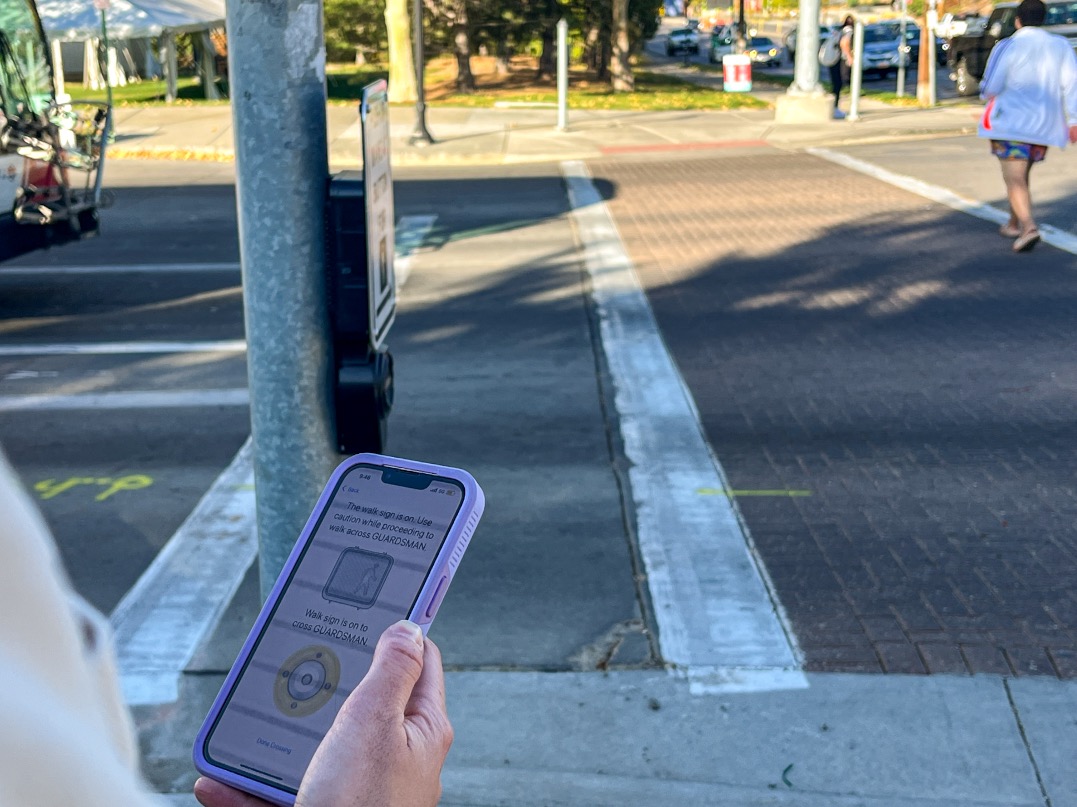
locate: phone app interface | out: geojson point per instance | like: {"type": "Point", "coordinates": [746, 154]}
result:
{"type": "Point", "coordinates": [361, 571]}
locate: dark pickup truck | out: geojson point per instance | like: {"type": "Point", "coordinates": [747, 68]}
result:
{"type": "Point", "coordinates": [968, 53]}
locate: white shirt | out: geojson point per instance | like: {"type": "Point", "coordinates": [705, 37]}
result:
{"type": "Point", "coordinates": [1030, 85]}
{"type": "Point", "coordinates": [66, 738]}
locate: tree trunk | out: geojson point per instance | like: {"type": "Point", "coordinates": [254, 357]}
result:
{"type": "Point", "coordinates": [401, 57]}
{"type": "Point", "coordinates": [502, 63]}
{"type": "Point", "coordinates": [620, 68]}
{"type": "Point", "coordinates": [590, 49]}
{"type": "Point", "coordinates": [465, 80]}
{"type": "Point", "coordinates": [548, 60]}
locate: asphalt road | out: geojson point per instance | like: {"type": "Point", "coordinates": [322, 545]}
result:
{"type": "Point", "coordinates": [893, 389]}
{"type": "Point", "coordinates": [100, 435]}
{"type": "Point", "coordinates": [495, 372]}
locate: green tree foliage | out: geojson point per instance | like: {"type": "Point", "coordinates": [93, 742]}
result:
{"type": "Point", "coordinates": [355, 28]}
{"type": "Point", "coordinates": [502, 28]}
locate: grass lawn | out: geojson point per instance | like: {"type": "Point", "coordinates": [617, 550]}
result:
{"type": "Point", "coordinates": [188, 90]}
{"type": "Point", "coordinates": [520, 86]}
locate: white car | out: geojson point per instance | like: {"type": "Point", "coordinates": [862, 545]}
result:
{"type": "Point", "coordinates": [764, 50]}
{"type": "Point", "coordinates": [682, 40]}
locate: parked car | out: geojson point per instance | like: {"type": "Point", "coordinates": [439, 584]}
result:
{"type": "Point", "coordinates": [912, 43]}
{"type": "Point", "coordinates": [790, 40]}
{"type": "Point", "coordinates": [912, 38]}
{"type": "Point", "coordinates": [968, 53]}
{"type": "Point", "coordinates": [952, 25]}
{"type": "Point", "coordinates": [682, 40]}
{"type": "Point", "coordinates": [882, 50]}
{"type": "Point", "coordinates": [764, 50]}
{"type": "Point", "coordinates": [722, 42]}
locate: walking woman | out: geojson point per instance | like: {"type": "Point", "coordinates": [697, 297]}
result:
{"type": "Point", "coordinates": [841, 70]}
{"type": "Point", "coordinates": [1030, 86]}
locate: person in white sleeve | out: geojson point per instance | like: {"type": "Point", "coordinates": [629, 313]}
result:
{"type": "Point", "coordinates": [67, 739]}
{"type": "Point", "coordinates": [1030, 86]}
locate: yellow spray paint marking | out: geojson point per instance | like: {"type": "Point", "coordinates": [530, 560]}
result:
{"type": "Point", "coordinates": [135, 482]}
{"type": "Point", "coordinates": [51, 488]}
{"type": "Point", "coordinates": [735, 493]}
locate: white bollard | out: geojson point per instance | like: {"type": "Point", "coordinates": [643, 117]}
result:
{"type": "Point", "coordinates": [562, 75]}
{"type": "Point", "coordinates": [857, 72]}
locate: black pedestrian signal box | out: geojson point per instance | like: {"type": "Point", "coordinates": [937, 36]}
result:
{"type": "Point", "coordinates": [363, 376]}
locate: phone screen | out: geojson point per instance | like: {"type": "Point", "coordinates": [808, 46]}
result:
{"type": "Point", "coordinates": [361, 571]}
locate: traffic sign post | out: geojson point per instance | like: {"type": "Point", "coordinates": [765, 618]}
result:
{"type": "Point", "coordinates": [362, 284]}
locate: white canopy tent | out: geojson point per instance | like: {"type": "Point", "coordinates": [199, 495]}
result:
{"type": "Point", "coordinates": [78, 20]}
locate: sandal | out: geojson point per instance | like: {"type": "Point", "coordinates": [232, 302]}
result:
{"type": "Point", "coordinates": [1009, 231]}
{"type": "Point", "coordinates": [1027, 240]}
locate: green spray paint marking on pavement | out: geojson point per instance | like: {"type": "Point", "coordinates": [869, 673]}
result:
{"type": "Point", "coordinates": [735, 493]}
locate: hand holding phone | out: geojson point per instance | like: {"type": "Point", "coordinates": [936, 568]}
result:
{"type": "Point", "coordinates": [388, 742]}
{"type": "Point", "coordinates": [382, 545]}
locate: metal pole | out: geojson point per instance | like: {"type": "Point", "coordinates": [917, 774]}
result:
{"type": "Point", "coordinates": [932, 87]}
{"type": "Point", "coordinates": [421, 136]}
{"type": "Point", "coordinates": [806, 62]}
{"type": "Point", "coordinates": [742, 31]}
{"type": "Point", "coordinates": [857, 71]}
{"type": "Point", "coordinates": [277, 70]}
{"type": "Point", "coordinates": [108, 71]}
{"type": "Point", "coordinates": [902, 55]}
{"type": "Point", "coordinates": [562, 74]}
{"type": "Point", "coordinates": [929, 39]}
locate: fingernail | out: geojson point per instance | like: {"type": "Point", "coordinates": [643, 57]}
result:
{"type": "Point", "coordinates": [409, 629]}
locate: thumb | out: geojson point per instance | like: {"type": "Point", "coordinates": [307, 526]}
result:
{"type": "Point", "coordinates": [397, 665]}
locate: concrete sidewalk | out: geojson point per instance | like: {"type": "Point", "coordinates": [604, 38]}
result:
{"type": "Point", "coordinates": [647, 736]}
{"type": "Point", "coordinates": [520, 135]}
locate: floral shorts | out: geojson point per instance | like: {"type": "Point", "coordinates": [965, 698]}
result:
{"type": "Point", "coordinates": [1012, 150]}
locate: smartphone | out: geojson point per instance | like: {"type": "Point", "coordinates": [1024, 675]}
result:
{"type": "Point", "coordinates": [382, 544]}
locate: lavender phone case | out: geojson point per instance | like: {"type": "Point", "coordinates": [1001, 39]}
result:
{"type": "Point", "coordinates": [426, 606]}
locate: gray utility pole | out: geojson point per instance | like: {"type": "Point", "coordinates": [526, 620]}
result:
{"type": "Point", "coordinates": [806, 101]}
{"type": "Point", "coordinates": [276, 55]}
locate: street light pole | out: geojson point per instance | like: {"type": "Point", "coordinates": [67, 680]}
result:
{"type": "Point", "coordinates": [421, 136]}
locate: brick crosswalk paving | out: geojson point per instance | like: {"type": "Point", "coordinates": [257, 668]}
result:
{"type": "Point", "coordinates": [892, 394]}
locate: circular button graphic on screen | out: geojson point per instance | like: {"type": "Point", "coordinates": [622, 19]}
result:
{"type": "Point", "coordinates": [306, 681]}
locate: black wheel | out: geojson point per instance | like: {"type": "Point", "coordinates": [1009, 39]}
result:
{"type": "Point", "coordinates": [964, 82]}
{"type": "Point", "coordinates": [670, 51]}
